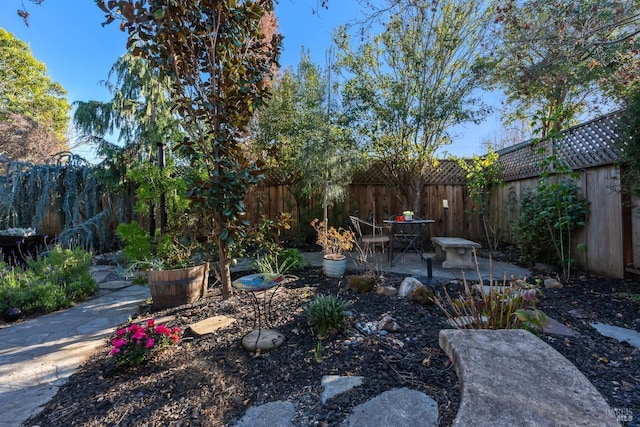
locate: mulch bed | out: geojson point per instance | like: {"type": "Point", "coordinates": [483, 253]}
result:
{"type": "Point", "coordinates": [212, 380]}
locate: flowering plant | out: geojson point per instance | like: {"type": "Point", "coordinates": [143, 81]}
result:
{"type": "Point", "coordinates": [134, 344]}
{"type": "Point", "coordinates": [334, 241]}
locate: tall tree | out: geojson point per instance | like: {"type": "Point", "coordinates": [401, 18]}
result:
{"type": "Point", "coordinates": [219, 63]}
{"type": "Point", "coordinates": [554, 56]}
{"type": "Point", "coordinates": [302, 138]}
{"type": "Point", "coordinates": [140, 114]}
{"type": "Point", "coordinates": [412, 82]}
{"type": "Point", "coordinates": [24, 139]}
{"type": "Point", "coordinates": [27, 91]}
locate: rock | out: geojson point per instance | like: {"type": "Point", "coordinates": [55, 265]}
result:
{"type": "Point", "coordinates": [545, 268]}
{"type": "Point", "coordinates": [577, 313]}
{"type": "Point", "coordinates": [387, 323]}
{"type": "Point", "coordinates": [421, 295]}
{"type": "Point", "coordinates": [362, 284]}
{"type": "Point", "coordinates": [210, 325]}
{"type": "Point", "coordinates": [551, 283]}
{"type": "Point", "coordinates": [401, 407]}
{"type": "Point", "coordinates": [262, 339]}
{"type": "Point", "coordinates": [12, 314]}
{"type": "Point", "coordinates": [407, 286]}
{"type": "Point", "coordinates": [388, 291]}
{"type": "Point", "coordinates": [272, 414]}
{"type": "Point", "coordinates": [332, 385]}
{"type": "Point", "coordinates": [114, 285]}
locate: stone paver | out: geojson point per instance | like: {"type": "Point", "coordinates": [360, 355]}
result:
{"type": "Point", "coordinates": [401, 407]}
{"type": "Point", "coordinates": [616, 332]}
{"type": "Point", "coordinates": [333, 385]}
{"type": "Point", "coordinates": [513, 378]}
{"type": "Point", "coordinates": [38, 355]}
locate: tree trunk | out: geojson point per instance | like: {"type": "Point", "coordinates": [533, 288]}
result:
{"type": "Point", "coordinates": [224, 270]}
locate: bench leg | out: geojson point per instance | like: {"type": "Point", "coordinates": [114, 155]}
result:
{"type": "Point", "coordinates": [441, 255]}
{"type": "Point", "coordinates": [458, 258]}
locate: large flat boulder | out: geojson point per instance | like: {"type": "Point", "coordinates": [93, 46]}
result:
{"type": "Point", "coordinates": [513, 378]}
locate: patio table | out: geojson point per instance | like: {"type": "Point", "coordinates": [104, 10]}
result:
{"type": "Point", "coordinates": [409, 233]}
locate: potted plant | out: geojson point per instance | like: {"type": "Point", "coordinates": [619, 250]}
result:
{"type": "Point", "coordinates": [177, 271]}
{"type": "Point", "coordinates": [334, 242]}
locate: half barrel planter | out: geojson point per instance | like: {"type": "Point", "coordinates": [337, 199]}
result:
{"type": "Point", "coordinates": [171, 288]}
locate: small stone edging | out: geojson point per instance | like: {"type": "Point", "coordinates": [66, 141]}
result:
{"type": "Point", "coordinates": [513, 378]}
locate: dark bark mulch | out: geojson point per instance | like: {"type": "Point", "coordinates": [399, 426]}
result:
{"type": "Point", "coordinates": [212, 380]}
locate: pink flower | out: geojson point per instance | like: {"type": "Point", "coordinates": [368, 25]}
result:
{"type": "Point", "coordinates": [162, 330]}
{"type": "Point", "coordinates": [150, 343]}
{"type": "Point", "coordinates": [150, 323]}
{"type": "Point", "coordinates": [530, 295]}
{"type": "Point", "coordinates": [139, 334]}
{"type": "Point", "coordinates": [175, 338]}
{"type": "Point", "coordinates": [121, 332]}
{"type": "Point", "coordinates": [114, 350]}
{"type": "Point", "coordinates": [118, 342]}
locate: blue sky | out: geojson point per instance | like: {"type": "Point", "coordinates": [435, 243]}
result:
{"type": "Point", "coordinates": [67, 36]}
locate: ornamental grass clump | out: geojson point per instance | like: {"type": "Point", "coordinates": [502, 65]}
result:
{"type": "Point", "coordinates": [506, 305]}
{"type": "Point", "coordinates": [328, 314]}
{"type": "Point", "coordinates": [136, 343]}
{"type": "Point", "coordinates": [334, 241]}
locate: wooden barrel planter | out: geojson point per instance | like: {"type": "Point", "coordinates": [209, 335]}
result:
{"type": "Point", "coordinates": [171, 288]}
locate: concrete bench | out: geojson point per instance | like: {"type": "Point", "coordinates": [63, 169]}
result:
{"type": "Point", "coordinates": [454, 252]}
{"type": "Point", "coordinates": [513, 378]}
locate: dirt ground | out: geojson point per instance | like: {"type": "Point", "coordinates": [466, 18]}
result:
{"type": "Point", "coordinates": [212, 380]}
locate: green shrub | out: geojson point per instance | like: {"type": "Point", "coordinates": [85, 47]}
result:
{"type": "Point", "coordinates": [548, 217]}
{"type": "Point", "coordinates": [50, 283]}
{"type": "Point", "coordinates": [292, 258]}
{"type": "Point", "coordinates": [328, 314]}
{"type": "Point", "coordinates": [283, 262]}
{"type": "Point", "coordinates": [136, 242]}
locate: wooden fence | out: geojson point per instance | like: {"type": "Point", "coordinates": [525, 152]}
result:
{"type": "Point", "coordinates": [612, 232]}
{"type": "Point", "coordinates": [611, 236]}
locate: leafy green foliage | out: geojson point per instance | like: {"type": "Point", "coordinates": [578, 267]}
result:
{"type": "Point", "coordinates": [557, 57]}
{"type": "Point", "coordinates": [293, 258]}
{"type": "Point", "coordinates": [328, 314]}
{"type": "Point", "coordinates": [163, 252]}
{"type": "Point", "coordinates": [303, 137]}
{"type": "Point", "coordinates": [483, 173]}
{"type": "Point", "coordinates": [135, 240]}
{"type": "Point", "coordinates": [548, 216]}
{"type": "Point", "coordinates": [26, 89]}
{"type": "Point", "coordinates": [217, 59]}
{"type": "Point", "coordinates": [411, 83]}
{"type": "Point", "coordinates": [56, 281]}
{"type": "Point", "coordinates": [629, 126]}
{"type": "Point", "coordinates": [287, 260]}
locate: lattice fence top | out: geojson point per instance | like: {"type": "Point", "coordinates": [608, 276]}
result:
{"type": "Point", "coordinates": [589, 144]}
{"type": "Point", "coordinates": [445, 172]}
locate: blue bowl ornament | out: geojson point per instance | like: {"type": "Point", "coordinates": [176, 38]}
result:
{"type": "Point", "coordinates": [257, 282]}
